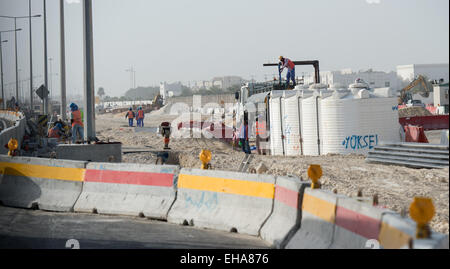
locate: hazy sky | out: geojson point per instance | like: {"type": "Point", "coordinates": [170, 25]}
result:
{"type": "Point", "coordinates": [187, 40]}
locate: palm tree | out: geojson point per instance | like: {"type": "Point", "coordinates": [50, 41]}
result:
{"type": "Point", "coordinates": [101, 92]}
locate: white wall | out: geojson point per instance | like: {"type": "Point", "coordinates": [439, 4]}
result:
{"type": "Point", "coordinates": [431, 71]}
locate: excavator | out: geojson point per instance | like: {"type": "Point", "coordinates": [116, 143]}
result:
{"type": "Point", "coordinates": [407, 93]}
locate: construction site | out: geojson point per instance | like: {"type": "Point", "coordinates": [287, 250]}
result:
{"type": "Point", "coordinates": [276, 164]}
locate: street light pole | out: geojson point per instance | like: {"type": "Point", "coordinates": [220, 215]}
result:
{"type": "Point", "coordinates": [31, 60]}
{"type": "Point", "coordinates": [3, 94]}
{"type": "Point", "coordinates": [88, 51]}
{"type": "Point", "coordinates": [31, 47]}
{"type": "Point", "coordinates": [62, 62]}
{"type": "Point", "coordinates": [1, 67]}
{"type": "Point", "coordinates": [45, 58]}
{"type": "Point", "coordinates": [17, 65]}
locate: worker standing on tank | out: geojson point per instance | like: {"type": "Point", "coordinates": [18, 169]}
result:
{"type": "Point", "coordinates": [286, 63]}
{"type": "Point", "coordinates": [130, 115]}
{"type": "Point", "coordinates": [77, 123]}
{"type": "Point", "coordinates": [140, 117]}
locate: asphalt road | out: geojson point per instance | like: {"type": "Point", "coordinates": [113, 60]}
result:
{"type": "Point", "coordinates": [29, 229]}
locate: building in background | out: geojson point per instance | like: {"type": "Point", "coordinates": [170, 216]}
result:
{"type": "Point", "coordinates": [345, 77]}
{"type": "Point", "coordinates": [219, 82]}
{"type": "Point", "coordinates": [440, 95]}
{"type": "Point", "coordinates": [167, 90]}
{"type": "Point", "coordinates": [435, 72]}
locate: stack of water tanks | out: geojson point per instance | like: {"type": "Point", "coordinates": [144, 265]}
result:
{"type": "Point", "coordinates": [320, 121]}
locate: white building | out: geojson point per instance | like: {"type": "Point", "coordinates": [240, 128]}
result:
{"type": "Point", "coordinates": [345, 77]}
{"type": "Point", "coordinates": [219, 82]}
{"type": "Point", "coordinates": [431, 71]}
{"type": "Point", "coordinates": [168, 90]}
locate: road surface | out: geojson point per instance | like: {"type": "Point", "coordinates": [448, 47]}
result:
{"type": "Point", "coordinates": [20, 228]}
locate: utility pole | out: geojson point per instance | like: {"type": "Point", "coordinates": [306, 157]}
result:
{"type": "Point", "coordinates": [63, 62]}
{"type": "Point", "coordinates": [31, 59]}
{"type": "Point", "coordinates": [1, 74]}
{"type": "Point", "coordinates": [17, 65]}
{"type": "Point", "coordinates": [89, 89]}
{"type": "Point", "coordinates": [45, 58]}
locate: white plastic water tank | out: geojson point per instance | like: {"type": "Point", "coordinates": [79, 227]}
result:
{"type": "Point", "coordinates": [292, 125]}
{"type": "Point", "coordinates": [356, 123]}
{"type": "Point", "coordinates": [276, 142]}
{"type": "Point", "coordinates": [310, 124]}
{"type": "Point", "coordinates": [379, 118]}
{"type": "Point", "coordinates": [339, 119]}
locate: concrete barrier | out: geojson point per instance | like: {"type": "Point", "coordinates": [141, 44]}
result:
{"type": "Point", "coordinates": [17, 131]}
{"type": "Point", "coordinates": [286, 216]}
{"type": "Point", "coordinates": [318, 221]}
{"type": "Point", "coordinates": [48, 184]}
{"type": "Point", "coordinates": [396, 232]}
{"type": "Point", "coordinates": [223, 200]}
{"type": "Point", "coordinates": [102, 152]}
{"type": "Point", "coordinates": [128, 189]}
{"type": "Point", "coordinates": [356, 223]}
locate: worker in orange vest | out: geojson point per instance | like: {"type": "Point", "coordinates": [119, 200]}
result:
{"type": "Point", "coordinates": [77, 123]}
{"type": "Point", "coordinates": [130, 115]}
{"type": "Point", "coordinates": [140, 117]}
{"type": "Point", "coordinates": [261, 135]}
{"type": "Point", "coordinates": [56, 131]}
{"type": "Point", "coordinates": [286, 63]}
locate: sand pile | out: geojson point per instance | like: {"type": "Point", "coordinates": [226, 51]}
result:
{"type": "Point", "coordinates": [413, 112]}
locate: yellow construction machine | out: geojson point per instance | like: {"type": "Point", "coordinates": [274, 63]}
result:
{"type": "Point", "coordinates": [419, 85]}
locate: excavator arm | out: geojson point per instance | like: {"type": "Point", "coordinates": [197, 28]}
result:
{"type": "Point", "coordinates": [407, 92]}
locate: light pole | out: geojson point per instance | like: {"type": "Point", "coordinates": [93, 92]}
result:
{"type": "Point", "coordinates": [62, 65]}
{"type": "Point", "coordinates": [132, 78]}
{"type": "Point", "coordinates": [45, 58]}
{"type": "Point", "coordinates": [1, 67]}
{"type": "Point", "coordinates": [15, 44]}
{"type": "Point", "coordinates": [50, 84]}
{"type": "Point", "coordinates": [3, 95]}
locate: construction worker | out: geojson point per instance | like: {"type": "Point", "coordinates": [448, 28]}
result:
{"type": "Point", "coordinates": [130, 115]}
{"type": "Point", "coordinates": [56, 131]}
{"type": "Point", "coordinates": [243, 137]}
{"type": "Point", "coordinates": [77, 123]}
{"type": "Point", "coordinates": [261, 134]}
{"type": "Point", "coordinates": [286, 63]}
{"type": "Point", "coordinates": [140, 117]}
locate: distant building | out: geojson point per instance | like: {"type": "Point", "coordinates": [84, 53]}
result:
{"type": "Point", "coordinates": [345, 77]}
{"type": "Point", "coordinates": [219, 82]}
{"type": "Point", "coordinates": [167, 90]}
{"type": "Point", "coordinates": [431, 71]}
{"type": "Point", "coordinates": [227, 81]}
{"type": "Point", "coordinates": [441, 95]}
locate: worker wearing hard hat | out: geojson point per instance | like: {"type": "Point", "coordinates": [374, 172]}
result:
{"type": "Point", "coordinates": [130, 115]}
{"type": "Point", "coordinates": [140, 117]}
{"type": "Point", "coordinates": [56, 131]}
{"type": "Point", "coordinates": [286, 63]}
{"type": "Point", "coordinates": [77, 123]}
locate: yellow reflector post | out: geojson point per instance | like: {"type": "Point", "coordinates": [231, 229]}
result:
{"type": "Point", "coordinates": [422, 211]}
{"type": "Point", "coordinates": [315, 173]}
{"type": "Point", "coordinates": [205, 158]}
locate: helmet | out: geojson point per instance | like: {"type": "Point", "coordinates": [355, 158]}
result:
{"type": "Point", "coordinates": [281, 58]}
{"type": "Point", "coordinates": [72, 105]}
{"type": "Point", "coordinates": [131, 108]}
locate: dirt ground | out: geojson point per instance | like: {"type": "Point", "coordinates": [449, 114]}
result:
{"type": "Point", "coordinates": [396, 186]}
